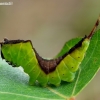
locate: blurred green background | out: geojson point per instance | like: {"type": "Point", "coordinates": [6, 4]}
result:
{"type": "Point", "coordinates": [49, 24]}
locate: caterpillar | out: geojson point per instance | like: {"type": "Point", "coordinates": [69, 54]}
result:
{"type": "Point", "coordinates": [53, 71]}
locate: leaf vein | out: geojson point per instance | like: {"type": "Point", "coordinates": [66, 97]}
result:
{"type": "Point", "coordinates": [26, 95]}
{"type": "Point", "coordinates": [59, 94]}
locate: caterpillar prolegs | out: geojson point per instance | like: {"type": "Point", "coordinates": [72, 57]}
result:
{"type": "Point", "coordinates": [53, 71]}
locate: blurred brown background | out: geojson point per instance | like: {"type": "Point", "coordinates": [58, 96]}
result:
{"type": "Point", "coordinates": [49, 24]}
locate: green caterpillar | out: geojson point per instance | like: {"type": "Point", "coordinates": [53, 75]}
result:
{"type": "Point", "coordinates": [52, 71]}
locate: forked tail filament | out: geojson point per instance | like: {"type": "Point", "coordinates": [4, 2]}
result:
{"type": "Point", "coordinates": [94, 28]}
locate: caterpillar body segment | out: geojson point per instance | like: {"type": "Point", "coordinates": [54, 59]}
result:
{"type": "Point", "coordinates": [64, 72]}
{"type": "Point", "coordinates": [34, 73]}
{"type": "Point", "coordinates": [43, 78]}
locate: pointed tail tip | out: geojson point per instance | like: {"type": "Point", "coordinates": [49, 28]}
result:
{"type": "Point", "coordinates": [94, 28]}
{"type": "Point", "coordinates": [97, 22]}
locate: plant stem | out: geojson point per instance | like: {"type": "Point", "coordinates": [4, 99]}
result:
{"type": "Point", "coordinates": [73, 98]}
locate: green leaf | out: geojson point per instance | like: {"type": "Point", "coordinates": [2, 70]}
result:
{"type": "Point", "coordinates": [14, 82]}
